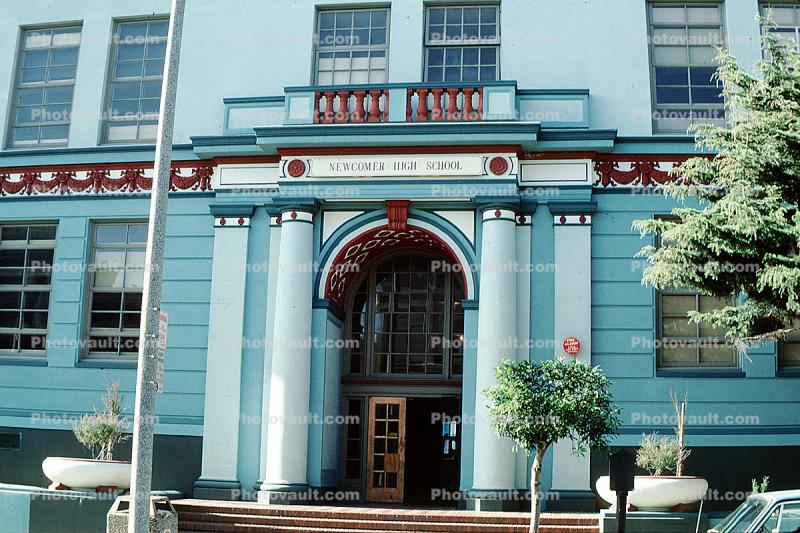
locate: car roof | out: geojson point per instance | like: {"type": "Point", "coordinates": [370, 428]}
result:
{"type": "Point", "coordinates": [782, 495]}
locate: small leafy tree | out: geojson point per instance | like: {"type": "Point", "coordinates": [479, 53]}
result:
{"type": "Point", "coordinates": [744, 240]}
{"type": "Point", "coordinates": [536, 404]}
{"type": "Point", "coordinates": [101, 431]}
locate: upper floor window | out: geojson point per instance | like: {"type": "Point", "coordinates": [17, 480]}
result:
{"type": "Point", "coordinates": [26, 264]}
{"type": "Point", "coordinates": [786, 18]}
{"type": "Point", "coordinates": [462, 44]}
{"type": "Point", "coordinates": [352, 46]}
{"type": "Point", "coordinates": [48, 61]}
{"type": "Point", "coordinates": [136, 71]}
{"type": "Point", "coordinates": [115, 298]}
{"type": "Point", "coordinates": [683, 37]}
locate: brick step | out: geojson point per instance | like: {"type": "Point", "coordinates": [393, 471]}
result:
{"type": "Point", "coordinates": [333, 524]}
{"type": "Point", "coordinates": [367, 513]}
{"type": "Point", "coordinates": [205, 527]}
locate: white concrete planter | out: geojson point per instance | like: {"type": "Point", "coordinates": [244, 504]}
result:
{"type": "Point", "coordinates": [657, 493]}
{"type": "Point", "coordinates": [87, 473]}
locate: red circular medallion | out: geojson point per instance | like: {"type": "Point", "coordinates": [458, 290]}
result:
{"type": "Point", "coordinates": [563, 219]}
{"type": "Point", "coordinates": [498, 166]}
{"type": "Point", "coordinates": [497, 213]}
{"type": "Point", "coordinates": [582, 219]}
{"type": "Point", "coordinates": [522, 219]}
{"type": "Point", "coordinates": [241, 221]}
{"type": "Point", "coordinates": [294, 215]}
{"type": "Point", "coordinates": [572, 345]}
{"type": "Point", "coordinates": [295, 168]}
{"type": "Point", "coordinates": [222, 222]}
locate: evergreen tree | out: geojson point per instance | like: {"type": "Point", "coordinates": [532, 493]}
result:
{"type": "Point", "coordinates": [743, 240]}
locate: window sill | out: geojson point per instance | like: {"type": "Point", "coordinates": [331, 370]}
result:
{"type": "Point", "coordinates": [106, 363]}
{"type": "Point", "coordinates": [788, 373]}
{"type": "Point", "coordinates": [23, 361]}
{"type": "Point", "coordinates": [701, 373]}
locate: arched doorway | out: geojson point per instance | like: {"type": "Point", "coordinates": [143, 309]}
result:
{"type": "Point", "coordinates": [404, 326]}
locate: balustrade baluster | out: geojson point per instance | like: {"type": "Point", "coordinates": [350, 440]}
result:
{"type": "Point", "coordinates": [436, 112]}
{"type": "Point", "coordinates": [374, 106]}
{"type": "Point", "coordinates": [422, 105]}
{"type": "Point", "coordinates": [329, 107]}
{"type": "Point", "coordinates": [452, 103]}
{"type": "Point", "coordinates": [359, 114]}
{"type": "Point", "coordinates": [344, 104]}
{"type": "Point", "coordinates": [468, 110]}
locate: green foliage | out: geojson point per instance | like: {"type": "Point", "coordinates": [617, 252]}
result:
{"type": "Point", "coordinates": [536, 404]}
{"type": "Point", "coordinates": [660, 455]}
{"type": "Point", "coordinates": [101, 431]}
{"type": "Point", "coordinates": [760, 487]}
{"type": "Point", "coordinates": [744, 239]}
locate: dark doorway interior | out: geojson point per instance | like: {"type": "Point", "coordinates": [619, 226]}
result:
{"type": "Point", "coordinates": [433, 450]}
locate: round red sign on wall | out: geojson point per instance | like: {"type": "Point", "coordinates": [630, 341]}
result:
{"type": "Point", "coordinates": [572, 345]}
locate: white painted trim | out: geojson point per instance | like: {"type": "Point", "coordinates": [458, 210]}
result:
{"type": "Point", "coordinates": [239, 176]}
{"type": "Point", "coordinates": [572, 220]}
{"type": "Point", "coordinates": [232, 222]}
{"type": "Point", "coordinates": [498, 214]}
{"type": "Point", "coordinates": [296, 215]}
{"type": "Point", "coordinates": [333, 220]}
{"type": "Point", "coordinates": [556, 172]}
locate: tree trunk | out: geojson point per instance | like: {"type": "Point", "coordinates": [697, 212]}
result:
{"type": "Point", "coordinates": [536, 485]}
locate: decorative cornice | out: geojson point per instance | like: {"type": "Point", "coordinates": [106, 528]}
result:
{"type": "Point", "coordinates": [232, 210]}
{"type": "Point", "coordinates": [100, 179]}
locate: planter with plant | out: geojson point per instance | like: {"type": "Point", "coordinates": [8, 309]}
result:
{"type": "Point", "coordinates": [663, 457]}
{"type": "Point", "coordinates": [99, 432]}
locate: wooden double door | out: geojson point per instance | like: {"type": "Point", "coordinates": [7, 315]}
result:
{"type": "Point", "coordinates": [413, 446]}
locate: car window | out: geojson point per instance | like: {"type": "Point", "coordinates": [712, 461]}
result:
{"type": "Point", "coordinates": [789, 521]}
{"type": "Point", "coordinates": [741, 519]}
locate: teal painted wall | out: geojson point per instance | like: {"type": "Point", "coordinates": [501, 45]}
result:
{"type": "Point", "coordinates": [623, 331]}
{"type": "Point", "coordinates": [547, 44]}
{"type": "Point", "coordinates": [41, 396]}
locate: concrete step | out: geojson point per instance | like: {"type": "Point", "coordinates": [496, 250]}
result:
{"type": "Point", "coordinates": [205, 527]}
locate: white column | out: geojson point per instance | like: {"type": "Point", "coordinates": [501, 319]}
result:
{"type": "Point", "coordinates": [224, 361]}
{"type": "Point", "coordinates": [573, 318]}
{"type": "Point", "coordinates": [494, 460]}
{"type": "Point", "coordinates": [523, 321]}
{"type": "Point", "coordinates": [290, 382]}
{"type": "Point", "coordinates": [272, 288]}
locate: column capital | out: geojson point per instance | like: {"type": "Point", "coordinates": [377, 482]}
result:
{"type": "Point", "coordinates": [572, 208]}
{"type": "Point", "coordinates": [294, 203]}
{"type": "Point", "coordinates": [232, 215]}
{"type": "Point", "coordinates": [482, 203]}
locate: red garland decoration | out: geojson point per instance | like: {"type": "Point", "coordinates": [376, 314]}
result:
{"type": "Point", "coordinates": [642, 173]}
{"type": "Point", "coordinates": [100, 181]}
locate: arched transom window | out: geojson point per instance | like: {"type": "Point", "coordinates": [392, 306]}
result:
{"type": "Point", "coordinates": [405, 317]}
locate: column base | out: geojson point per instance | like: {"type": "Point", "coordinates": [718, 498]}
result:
{"type": "Point", "coordinates": [497, 500]}
{"type": "Point", "coordinates": [295, 494]}
{"type": "Point", "coordinates": [570, 501]}
{"type": "Point", "coordinates": [217, 489]}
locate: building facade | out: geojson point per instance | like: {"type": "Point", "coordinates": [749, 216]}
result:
{"type": "Point", "coordinates": [373, 204]}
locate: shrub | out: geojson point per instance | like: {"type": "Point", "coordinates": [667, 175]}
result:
{"type": "Point", "coordinates": [101, 431]}
{"type": "Point", "coordinates": [660, 455]}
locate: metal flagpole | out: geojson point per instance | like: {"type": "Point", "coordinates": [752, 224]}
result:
{"type": "Point", "coordinates": [150, 363]}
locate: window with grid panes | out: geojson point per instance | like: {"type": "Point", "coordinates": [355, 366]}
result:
{"type": "Point", "coordinates": [406, 318]}
{"type": "Point", "coordinates": [685, 344]}
{"type": "Point", "coordinates": [789, 351]}
{"type": "Point", "coordinates": [352, 46]}
{"type": "Point", "coordinates": [115, 301]}
{"type": "Point", "coordinates": [26, 264]}
{"type": "Point", "coordinates": [786, 17]}
{"type": "Point", "coordinates": [48, 61]}
{"type": "Point", "coordinates": [353, 439]}
{"type": "Point", "coordinates": [462, 43]}
{"type": "Point", "coordinates": [137, 69]}
{"type": "Point", "coordinates": [683, 37]}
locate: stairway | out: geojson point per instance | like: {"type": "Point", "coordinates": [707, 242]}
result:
{"type": "Point", "coordinates": [202, 516]}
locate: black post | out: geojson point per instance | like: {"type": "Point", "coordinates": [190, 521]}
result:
{"type": "Point", "coordinates": [621, 467]}
{"type": "Point", "coordinates": [622, 510]}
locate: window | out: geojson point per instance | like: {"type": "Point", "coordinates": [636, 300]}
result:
{"type": "Point", "coordinates": [789, 351]}
{"type": "Point", "coordinates": [26, 263]}
{"type": "Point", "coordinates": [682, 49]}
{"type": "Point", "coordinates": [406, 318]}
{"type": "Point", "coordinates": [134, 93]}
{"type": "Point", "coordinates": [787, 21]}
{"type": "Point", "coordinates": [117, 268]}
{"type": "Point", "coordinates": [784, 519]}
{"type": "Point", "coordinates": [45, 85]}
{"type": "Point", "coordinates": [352, 46]}
{"type": "Point", "coordinates": [462, 44]}
{"type": "Point", "coordinates": [686, 344]}
{"type": "Point", "coordinates": [353, 438]}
